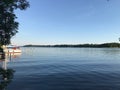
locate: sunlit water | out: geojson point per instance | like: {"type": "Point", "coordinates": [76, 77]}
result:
{"type": "Point", "coordinates": [66, 69]}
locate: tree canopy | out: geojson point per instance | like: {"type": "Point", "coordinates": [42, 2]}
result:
{"type": "Point", "coordinates": [104, 45]}
{"type": "Point", "coordinates": [8, 23]}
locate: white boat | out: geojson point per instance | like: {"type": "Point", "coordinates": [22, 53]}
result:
{"type": "Point", "coordinates": [12, 49]}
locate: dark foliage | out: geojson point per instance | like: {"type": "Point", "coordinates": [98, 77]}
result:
{"type": "Point", "coordinates": [80, 45]}
{"type": "Point", "coordinates": [8, 23]}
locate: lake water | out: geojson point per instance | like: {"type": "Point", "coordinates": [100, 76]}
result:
{"type": "Point", "coordinates": [66, 69]}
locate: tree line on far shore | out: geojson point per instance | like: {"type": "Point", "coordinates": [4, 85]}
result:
{"type": "Point", "coordinates": [80, 45]}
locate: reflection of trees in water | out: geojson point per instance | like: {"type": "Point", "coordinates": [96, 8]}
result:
{"type": "Point", "coordinates": [5, 77]}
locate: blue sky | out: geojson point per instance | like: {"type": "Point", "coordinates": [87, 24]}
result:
{"type": "Point", "coordinates": [68, 22]}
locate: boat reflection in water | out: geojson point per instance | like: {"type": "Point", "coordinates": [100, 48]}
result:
{"type": "Point", "coordinates": [6, 74]}
{"type": "Point", "coordinates": [13, 55]}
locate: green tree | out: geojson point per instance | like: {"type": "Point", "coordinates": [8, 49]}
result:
{"type": "Point", "coordinates": [8, 23]}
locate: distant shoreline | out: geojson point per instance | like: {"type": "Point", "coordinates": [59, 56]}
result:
{"type": "Point", "coordinates": [104, 45]}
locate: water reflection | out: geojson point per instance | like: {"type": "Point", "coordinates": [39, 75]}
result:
{"type": "Point", "coordinates": [6, 74]}
{"type": "Point", "coordinates": [11, 56]}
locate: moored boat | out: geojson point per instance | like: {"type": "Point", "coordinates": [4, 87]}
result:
{"type": "Point", "coordinates": [12, 49]}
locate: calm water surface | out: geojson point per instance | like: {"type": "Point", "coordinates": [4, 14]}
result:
{"type": "Point", "coordinates": [66, 69]}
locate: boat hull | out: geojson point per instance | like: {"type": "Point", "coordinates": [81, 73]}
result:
{"type": "Point", "coordinates": [14, 51]}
